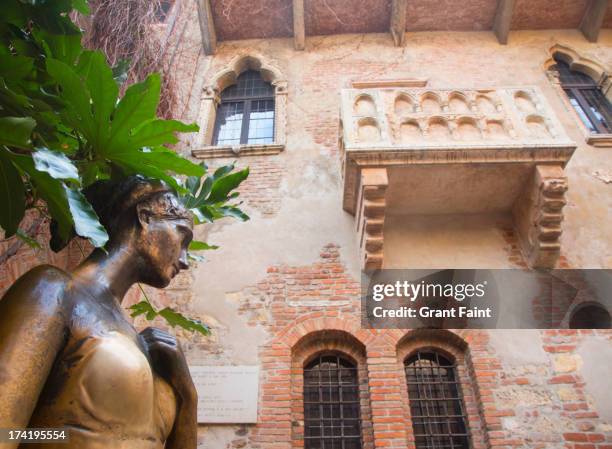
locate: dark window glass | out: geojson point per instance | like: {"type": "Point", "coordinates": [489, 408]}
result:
{"type": "Point", "coordinates": [587, 99]}
{"type": "Point", "coordinates": [331, 404]}
{"type": "Point", "coordinates": [246, 112]}
{"type": "Point", "coordinates": [436, 403]}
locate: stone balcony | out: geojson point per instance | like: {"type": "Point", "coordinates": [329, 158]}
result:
{"type": "Point", "coordinates": [431, 152]}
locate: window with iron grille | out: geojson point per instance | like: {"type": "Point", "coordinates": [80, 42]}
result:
{"type": "Point", "coordinates": [332, 415]}
{"type": "Point", "coordinates": [436, 402]}
{"type": "Point", "coordinates": [587, 99]}
{"type": "Point", "coordinates": [246, 112]}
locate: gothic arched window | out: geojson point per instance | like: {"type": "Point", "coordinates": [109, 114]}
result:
{"type": "Point", "coordinates": [587, 99]}
{"type": "Point", "coordinates": [332, 416]}
{"type": "Point", "coordinates": [437, 409]}
{"type": "Point", "coordinates": [246, 112]}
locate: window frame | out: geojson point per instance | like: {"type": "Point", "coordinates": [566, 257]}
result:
{"type": "Point", "coordinates": [357, 403]}
{"type": "Point", "coordinates": [453, 364]}
{"type": "Point", "coordinates": [247, 101]}
{"type": "Point", "coordinates": [576, 90]}
{"type": "Point", "coordinates": [571, 59]}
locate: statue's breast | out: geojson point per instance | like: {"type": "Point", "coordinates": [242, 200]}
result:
{"type": "Point", "coordinates": [107, 387]}
{"type": "Point", "coordinates": [115, 381]}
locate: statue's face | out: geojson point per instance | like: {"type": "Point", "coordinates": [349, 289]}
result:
{"type": "Point", "coordinates": [164, 242]}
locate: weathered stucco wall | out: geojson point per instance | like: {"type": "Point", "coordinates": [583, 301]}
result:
{"type": "Point", "coordinates": [238, 287]}
{"type": "Point", "coordinates": [293, 268]}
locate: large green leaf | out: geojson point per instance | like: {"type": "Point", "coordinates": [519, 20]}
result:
{"type": "Point", "coordinates": [15, 67]}
{"type": "Point", "coordinates": [63, 47]}
{"type": "Point", "coordinates": [76, 96]}
{"type": "Point", "coordinates": [159, 132]}
{"type": "Point", "coordinates": [170, 161]}
{"type": "Point", "coordinates": [16, 131]}
{"type": "Point", "coordinates": [51, 191]}
{"type": "Point", "coordinates": [12, 196]}
{"type": "Point", "coordinates": [233, 211]}
{"type": "Point", "coordinates": [223, 186]}
{"type": "Point", "coordinates": [86, 222]}
{"type": "Point", "coordinates": [138, 105]}
{"type": "Point", "coordinates": [56, 164]}
{"type": "Point", "coordinates": [223, 170]}
{"type": "Point", "coordinates": [99, 79]}
{"type": "Point", "coordinates": [13, 104]}
{"type": "Point", "coordinates": [81, 6]}
{"type": "Point", "coordinates": [156, 164]}
{"type": "Point", "coordinates": [134, 164]}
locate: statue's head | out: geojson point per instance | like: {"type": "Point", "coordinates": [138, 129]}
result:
{"type": "Point", "coordinates": [145, 217]}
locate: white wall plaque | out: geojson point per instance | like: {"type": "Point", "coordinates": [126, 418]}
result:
{"type": "Point", "coordinates": [226, 394]}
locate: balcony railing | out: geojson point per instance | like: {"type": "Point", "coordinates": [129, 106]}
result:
{"type": "Point", "coordinates": [406, 127]}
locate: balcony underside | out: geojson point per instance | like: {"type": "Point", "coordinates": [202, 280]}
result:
{"type": "Point", "coordinates": [447, 162]}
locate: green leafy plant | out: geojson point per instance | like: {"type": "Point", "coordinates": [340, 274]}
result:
{"type": "Point", "coordinates": [63, 126]}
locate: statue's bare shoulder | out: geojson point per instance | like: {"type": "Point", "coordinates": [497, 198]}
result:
{"type": "Point", "coordinates": [33, 327]}
{"type": "Point", "coordinates": [42, 286]}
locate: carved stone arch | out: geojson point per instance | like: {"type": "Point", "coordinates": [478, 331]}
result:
{"type": "Point", "coordinates": [211, 98]}
{"type": "Point", "coordinates": [228, 76]}
{"type": "Point", "coordinates": [597, 71]}
{"type": "Point", "coordinates": [576, 62]}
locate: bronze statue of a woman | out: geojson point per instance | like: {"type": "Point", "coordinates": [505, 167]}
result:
{"type": "Point", "coordinates": [70, 358]}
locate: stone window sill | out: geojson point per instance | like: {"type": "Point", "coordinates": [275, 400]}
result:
{"type": "Point", "coordinates": [600, 140]}
{"type": "Point", "coordinates": [213, 151]}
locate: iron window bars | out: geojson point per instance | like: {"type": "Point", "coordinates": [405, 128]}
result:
{"type": "Point", "coordinates": [585, 96]}
{"type": "Point", "coordinates": [332, 416]}
{"type": "Point", "coordinates": [246, 112]}
{"type": "Point", "coordinates": [438, 413]}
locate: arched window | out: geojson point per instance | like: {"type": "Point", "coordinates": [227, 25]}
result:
{"type": "Point", "coordinates": [593, 108]}
{"type": "Point", "coordinates": [436, 402]}
{"type": "Point", "coordinates": [590, 316]}
{"type": "Point", "coordinates": [331, 403]}
{"type": "Point", "coordinates": [246, 112]}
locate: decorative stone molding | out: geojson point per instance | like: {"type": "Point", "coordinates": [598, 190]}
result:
{"type": "Point", "coordinates": [388, 127]}
{"type": "Point", "coordinates": [578, 63]}
{"type": "Point", "coordinates": [213, 151]}
{"type": "Point", "coordinates": [589, 67]}
{"type": "Point", "coordinates": [538, 216]}
{"type": "Point", "coordinates": [371, 219]}
{"type": "Point", "coordinates": [211, 98]}
{"type": "Point", "coordinates": [599, 140]}
{"type": "Point", "coordinates": [402, 127]}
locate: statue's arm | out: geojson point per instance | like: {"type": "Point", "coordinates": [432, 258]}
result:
{"type": "Point", "coordinates": [184, 433]}
{"type": "Point", "coordinates": [169, 362]}
{"type": "Point", "coordinates": [32, 332]}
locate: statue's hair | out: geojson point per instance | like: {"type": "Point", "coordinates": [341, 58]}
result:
{"type": "Point", "coordinates": [112, 200]}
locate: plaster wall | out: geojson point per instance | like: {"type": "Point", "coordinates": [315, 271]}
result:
{"type": "Point", "coordinates": [308, 214]}
{"type": "Point", "coordinates": [273, 271]}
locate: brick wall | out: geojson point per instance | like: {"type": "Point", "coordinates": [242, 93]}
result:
{"type": "Point", "coordinates": [312, 308]}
